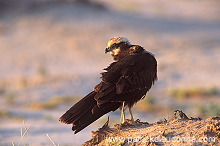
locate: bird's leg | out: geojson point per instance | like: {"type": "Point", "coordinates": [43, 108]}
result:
{"type": "Point", "coordinates": [131, 115]}
{"type": "Point", "coordinates": [123, 112]}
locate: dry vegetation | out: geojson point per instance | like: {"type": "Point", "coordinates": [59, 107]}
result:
{"type": "Point", "coordinates": [25, 137]}
{"type": "Point", "coordinates": [52, 103]}
{"type": "Point", "coordinates": [194, 92]}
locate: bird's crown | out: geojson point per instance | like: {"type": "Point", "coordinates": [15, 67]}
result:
{"type": "Point", "coordinates": [117, 40]}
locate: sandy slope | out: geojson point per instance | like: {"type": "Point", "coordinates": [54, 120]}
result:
{"type": "Point", "coordinates": [68, 42]}
{"type": "Point", "coordinates": [178, 130]}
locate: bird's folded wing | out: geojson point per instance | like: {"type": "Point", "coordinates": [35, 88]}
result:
{"type": "Point", "coordinates": [131, 73]}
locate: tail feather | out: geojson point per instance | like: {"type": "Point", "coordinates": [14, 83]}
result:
{"type": "Point", "coordinates": [86, 111]}
{"type": "Point", "coordinates": [90, 117]}
{"type": "Point", "coordinates": [79, 109]}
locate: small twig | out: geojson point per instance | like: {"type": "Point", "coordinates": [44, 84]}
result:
{"type": "Point", "coordinates": [21, 131]}
{"type": "Point", "coordinates": [22, 137]}
{"type": "Point", "coordinates": [27, 133]}
{"type": "Point", "coordinates": [51, 140]}
{"type": "Point", "coordinates": [12, 143]}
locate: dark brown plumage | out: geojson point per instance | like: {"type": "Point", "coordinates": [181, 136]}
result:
{"type": "Point", "coordinates": [127, 80]}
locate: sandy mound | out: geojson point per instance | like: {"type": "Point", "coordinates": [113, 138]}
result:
{"type": "Point", "coordinates": [178, 130]}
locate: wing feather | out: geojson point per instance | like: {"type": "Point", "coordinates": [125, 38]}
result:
{"type": "Point", "coordinates": [131, 73]}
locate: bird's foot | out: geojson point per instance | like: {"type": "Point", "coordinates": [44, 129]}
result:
{"type": "Point", "coordinates": [130, 122]}
{"type": "Point", "coordinates": [125, 123]}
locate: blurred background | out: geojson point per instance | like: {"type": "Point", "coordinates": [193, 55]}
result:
{"type": "Point", "coordinates": [52, 52]}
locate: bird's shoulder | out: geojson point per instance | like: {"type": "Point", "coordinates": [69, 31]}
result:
{"type": "Point", "coordinates": [131, 63]}
{"type": "Point", "coordinates": [138, 56]}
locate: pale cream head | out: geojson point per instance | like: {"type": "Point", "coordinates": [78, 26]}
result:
{"type": "Point", "coordinates": [113, 47]}
{"type": "Point", "coordinates": [117, 40]}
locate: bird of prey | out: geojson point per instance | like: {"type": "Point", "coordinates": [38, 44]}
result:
{"type": "Point", "coordinates": [123, 83]}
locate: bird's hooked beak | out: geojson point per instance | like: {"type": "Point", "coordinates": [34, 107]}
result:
{"type": "Point", "coordinates": [108, 49]}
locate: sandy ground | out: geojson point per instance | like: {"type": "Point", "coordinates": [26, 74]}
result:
{"type": "Point", "coordinates": [55, 49]}
{"type": "Point", "coordinates": [178, 130]}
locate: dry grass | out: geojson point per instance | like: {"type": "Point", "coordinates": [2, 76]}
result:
{"type": "Point", "coordinates": [146, 104]}
{"type": "Point", "coordinates": [24, 133]}
{"type": "Point", "coordinates": [150, 105]}
{"type": "Point", "coordinates": [10, 97]}
{"type": "Point", "coordinates": [193, 92]}
{"type": "Point", "coordinates": [7, 115]}
{"type": "Point", "coordinates": [4, 114]}
{"type": "Point", "coordinates": [207, 111]}
{"type": "Point", "coordinates": [52, 103]}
